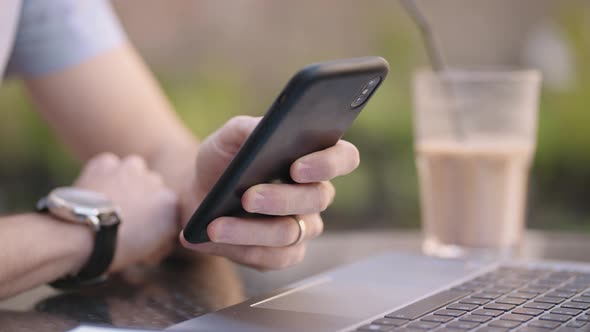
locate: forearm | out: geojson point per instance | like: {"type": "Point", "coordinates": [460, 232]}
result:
{"type": "Point", "coordinates": [176, 165]}
{"type": "Point", "coordinates": [112, 103]}
{"type": "Point", "coordinates": [38, 249]}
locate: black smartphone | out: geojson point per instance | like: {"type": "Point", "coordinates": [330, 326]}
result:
{"type": "Point", "coordinates": [311, 114]}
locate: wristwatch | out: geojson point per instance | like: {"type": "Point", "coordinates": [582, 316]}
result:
{"type": "Point", "coordinates": [95, 211]}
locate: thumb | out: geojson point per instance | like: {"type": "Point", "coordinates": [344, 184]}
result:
{"type": "Point", "coordinates": [232, 135]}
{"type": "Point", "coordinates": [219, 149]}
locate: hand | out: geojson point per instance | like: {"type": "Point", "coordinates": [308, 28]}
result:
{"type": "Point", "coordinates": [266, 243]}
{"type": "Point", "coordinates": [148, 210]}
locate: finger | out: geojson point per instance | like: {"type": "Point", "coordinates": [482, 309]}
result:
{"type": "Point", "coordinates": [265, 258]}
{"type": "Point", "coordinates": [271, 232]}
{"type": "Point", "coordinates": [313, 228]}
{"type": "Point", "coordinates": [103, 162]}
{"type": "Point", "coordinates": [288, 199]}
{"type": "Point", "coordinates": [230, 137]}
{"type": "Point", "coordinates": [100, 165]}
{"type": "Point", "coordinates": [134, 162]}
{"type": "Point", "coordinates": [327, 164]}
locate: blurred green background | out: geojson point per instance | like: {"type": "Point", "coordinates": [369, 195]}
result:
{"type": "Point", "coordinates": [216, 59]}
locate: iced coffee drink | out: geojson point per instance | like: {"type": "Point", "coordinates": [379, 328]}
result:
{"type": "Point", "coordinates": [474, 194]}
{"type": "Point", "coordinates": [473, 155]}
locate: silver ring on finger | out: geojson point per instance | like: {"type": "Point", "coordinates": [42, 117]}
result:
{"type": "Point", "coordinates": [302, 229]}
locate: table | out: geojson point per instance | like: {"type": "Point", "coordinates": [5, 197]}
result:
{"type": "Point", "coordinates": [149, 296]}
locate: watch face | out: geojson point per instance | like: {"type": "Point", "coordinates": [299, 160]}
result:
{"type": "Point", "coordinates": [81, 198]}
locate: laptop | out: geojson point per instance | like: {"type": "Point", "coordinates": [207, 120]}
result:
{"type": "Point", "coordinates": [409, 292]}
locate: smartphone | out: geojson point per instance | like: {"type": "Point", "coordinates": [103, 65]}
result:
{"type": "Point", "coordinates": [311, 114]}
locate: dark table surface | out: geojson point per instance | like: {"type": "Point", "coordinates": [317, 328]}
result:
{"type": "Point", "coordinates": [157, 297]}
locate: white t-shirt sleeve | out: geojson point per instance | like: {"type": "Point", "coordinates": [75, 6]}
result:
{"type": "Point", "coordinates": [55, 34]}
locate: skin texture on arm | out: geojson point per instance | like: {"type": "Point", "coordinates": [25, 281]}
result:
{"type": "Point", "coordinates": [34, 251]}
{"type": "Point", "coordinates": [112, 103]}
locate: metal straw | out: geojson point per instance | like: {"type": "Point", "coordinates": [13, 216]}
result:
{"type": "Point", "coordinates": [432, 49]}
{"type": "Point", "coordinates": [436, 61]}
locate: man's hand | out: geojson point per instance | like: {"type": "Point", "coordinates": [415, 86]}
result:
{"type": "Point", "coordinates": [148, 210]}
{"type": "Point", "coordinates": [266, 243]}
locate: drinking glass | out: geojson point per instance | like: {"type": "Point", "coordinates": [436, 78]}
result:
{"type": "Point", "coordinates": [475, 137]}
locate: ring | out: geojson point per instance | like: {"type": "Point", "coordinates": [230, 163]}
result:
{"type": "Point", "coordinates": [301, 236]}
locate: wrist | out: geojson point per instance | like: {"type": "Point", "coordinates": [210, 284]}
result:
{"type": "Point", "coordinates": [81, 247]}
{"type": "Point", "coordinates": [73, 242]}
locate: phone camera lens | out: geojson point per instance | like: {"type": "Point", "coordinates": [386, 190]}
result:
{"type": "Point", "coordinates": [372, 83]}
{"type": "Point", "coordinates": [358, 101]}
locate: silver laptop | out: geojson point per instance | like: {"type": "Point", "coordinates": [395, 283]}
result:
{"type": "Point", "coordinates": [408, 292]}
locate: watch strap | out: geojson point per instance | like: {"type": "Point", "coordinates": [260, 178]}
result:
{"type": "Point", "coordinates": [98, 263]}
{"type": "Point", "coordinates": [94, 271]}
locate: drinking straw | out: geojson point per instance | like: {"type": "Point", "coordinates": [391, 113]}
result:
{"type": "Point", "coordinates": [434, 54]}
{"type": "Point", "coordinates": [432, 49]}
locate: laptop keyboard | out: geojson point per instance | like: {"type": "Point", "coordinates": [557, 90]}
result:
{"type": "Point", "coordinates": [506, 299]}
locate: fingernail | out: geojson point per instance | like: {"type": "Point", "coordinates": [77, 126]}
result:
{"type": "Point", "coordinates": [220, 232]}
{"type": "Point", "coordinates": [257, 202]}
{"type": "Point", "coordinates": [305, 171]}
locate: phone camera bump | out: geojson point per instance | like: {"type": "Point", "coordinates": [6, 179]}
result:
{"type": "Point", "coordinates": [365, 92]}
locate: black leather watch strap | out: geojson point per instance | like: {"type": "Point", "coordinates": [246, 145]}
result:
{"type": "Point", "coordinates": [98, 263]}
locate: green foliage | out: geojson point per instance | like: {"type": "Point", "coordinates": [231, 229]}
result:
{"type": "Point", "coordinates": [562, 166]}
{"type": "Point", "coordinates": [207, 101]}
